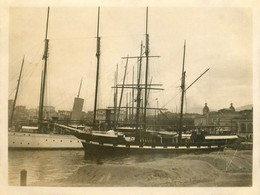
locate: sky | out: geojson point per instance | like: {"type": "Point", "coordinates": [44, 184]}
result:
{"type": "Point", "coordinates": [216, 38]}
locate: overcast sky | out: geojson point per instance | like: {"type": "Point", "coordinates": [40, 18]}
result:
{"type": "Point", "coordinates": [217, 38]}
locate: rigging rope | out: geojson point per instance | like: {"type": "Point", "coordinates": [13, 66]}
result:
{"type": "Point", "coordinates": [14, 77]}
{"type": "Point", "coordinates": [24, 79]}
{"type": "Point", "coordinates": [171, 99]}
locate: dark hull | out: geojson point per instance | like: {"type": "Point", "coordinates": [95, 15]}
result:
{"type": "Point", "coordinates": [98, 143]}
{"type": "Point", "coordinates": [82, 136]}
{"type": "Point", "coordinates": [95, 148]}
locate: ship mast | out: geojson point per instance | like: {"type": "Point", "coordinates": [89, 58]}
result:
{"type": "Point", "coordinates": [16, 94]}
{"type": "Point", "coordinates": [97, 75]}
{"type": "Point", "coordinates": [139, 86]}
{"type": "Point", "coordinates": [147, 67]}
{"type": "Point", "coordinates": [182, 93]}
{"type": "Point", "coordinates": [121, 96]}
{"type": "Point", "coordinates": [183, 90]}
{"type": "Point", "coordinates": [115, 95]}
{"type": "Point", "coordinates": [138, 99]}
{"type": "Point", "coordinates": [127, 109]}
{"type": "Point", "coordinates": [133, 92]}
{"type": "Point", "coordinates": [45, 58]}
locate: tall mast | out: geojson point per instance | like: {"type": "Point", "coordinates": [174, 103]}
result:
{"type": "Point", "coordinates": [127, 109]}
{"type": "Point", "coordinates": [182, 93]}
{"type": "Point", "coordinates": [121, 96]}
{"type": "Point", "coordinates": [147, 66]}
{"type": "Point", "coordinates": [138, 99]}
{"type": "Point", "coordinates": [158, 112]}
{"type": "Point", "coordinates": [45, 58]}
{"type": "Point", "coordinates": [149, 90]}
{"type": "Point", "coordinates": [16, 94]}
{"type": "Point", "coordinates": [115, 95]}
{"type": "Point", "coordinates": [80, 87]}
{"type": "Point", "coordinates": [97, 75]}
{"type": "Point", "coordinates": [133, 99]}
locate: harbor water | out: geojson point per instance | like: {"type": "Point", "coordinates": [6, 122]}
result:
{"type": "Point", "coordinates": [73, 168]}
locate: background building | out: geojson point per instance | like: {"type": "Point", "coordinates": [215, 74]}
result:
{"type": "Point", "coordinates": [64, 114]}
{"type": "Point", "coordinates": [226, 119]}
{"type": "Point", "coordinates": [49, 112]}
{"type": "Point", "coordinates": [21, 113]}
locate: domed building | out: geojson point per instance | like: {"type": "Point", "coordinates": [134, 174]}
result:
{"type": "Point", "coordinates": [226, 119]}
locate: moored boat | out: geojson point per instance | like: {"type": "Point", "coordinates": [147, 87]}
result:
{"type": "Point", "coordinates": [23, 140]}
{"type": "Point", "coordinates": [40, 136]}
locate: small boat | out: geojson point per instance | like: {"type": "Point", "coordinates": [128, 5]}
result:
{"type": "Point", "coordinates": [142, 140]}
{"type": "Point", "coordinates": [39, 137]}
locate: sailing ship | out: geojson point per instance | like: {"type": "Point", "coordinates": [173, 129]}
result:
{"type": "Point", "coordinates": [40, 137]}
{"type": "Point", "coordinates": [142, 139]}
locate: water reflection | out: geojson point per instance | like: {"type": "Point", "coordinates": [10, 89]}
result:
{"type": "Point", "coordinates": [127, 158]}
{"type": "Point", "coordinates": [73, 168]}
{"type": "Point", "coordinates": [43, 166]}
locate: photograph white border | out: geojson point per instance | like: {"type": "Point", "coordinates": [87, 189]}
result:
{"type": "Point", "coordinates": [4, 26]}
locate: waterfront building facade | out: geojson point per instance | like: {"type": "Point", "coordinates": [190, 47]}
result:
{"type": "Point", "coordinates": [226, 120]}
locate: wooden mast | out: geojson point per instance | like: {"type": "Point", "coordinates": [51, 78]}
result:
{"type": "Point", "coordinates": [121, 96]}
{"type": "Point", "coordinates": [45, 58]}
{"type": "Point", "coordinates": [16, 94]}
{"type": "Point", "coordinates": [133, 96]}
{"type": "Point", "coordinates": [147, 67]}
{"type": "Point", "coordinates": [138, 98]}
{"type": "Point", "coordinates": [97, 75]}
{"type": "Point", "coordinates": [182, 92]}
{"type": "Point", "coordinates": [115, 95]}
{"type": "Point", "coordinates": [127, 109]}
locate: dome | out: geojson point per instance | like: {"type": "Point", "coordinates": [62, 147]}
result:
{"type": "Point", "coordinates": [232, 107]}
{"type": "Point", "coordinates": [205, 109]}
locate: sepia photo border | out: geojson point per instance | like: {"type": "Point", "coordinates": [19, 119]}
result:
{"type": "Point", "coordinates": [4, 26]}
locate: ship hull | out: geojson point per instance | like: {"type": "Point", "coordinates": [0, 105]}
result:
{"type": "Point", "coordinates": [101, 149]}
{"type": "Point", "coordinates": [19, 140]}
